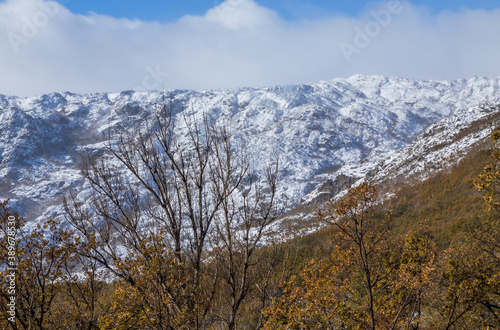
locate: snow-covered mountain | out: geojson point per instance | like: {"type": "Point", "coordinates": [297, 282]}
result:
{"type": "Point", "coordinates": [440, 146]}
{"type": "Point", "coordinates": [355, 123]}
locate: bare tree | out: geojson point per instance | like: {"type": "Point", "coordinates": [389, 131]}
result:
{"type": "Point", "coordinates": [240, 229]}
{"type": "Point", "coordinates": [162, 204]}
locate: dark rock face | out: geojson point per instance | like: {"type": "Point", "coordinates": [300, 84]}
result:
{"type": "Point", "coordinates": [332, 187]}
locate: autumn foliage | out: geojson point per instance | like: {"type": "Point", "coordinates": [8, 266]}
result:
{"type": "Point", "coordinates": [367, 282]}
{"type": "Point", "coordinates": [201, 262]}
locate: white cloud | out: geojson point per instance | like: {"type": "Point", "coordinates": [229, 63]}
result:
{"type": "Point", "coordinates": [237, 14]}
{"type": "Point", "coordinates": [44, 47]}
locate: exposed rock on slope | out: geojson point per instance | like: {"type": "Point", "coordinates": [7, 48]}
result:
{"type": "Point", "coordinates": [440, 146]}
{"type": "Point", "coordinates": [315, 129]}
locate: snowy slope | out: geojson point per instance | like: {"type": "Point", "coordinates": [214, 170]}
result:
{"type": "Point", "coordinates": [440, 146]}
{"type": "Point", "coordinates": [315, 128]}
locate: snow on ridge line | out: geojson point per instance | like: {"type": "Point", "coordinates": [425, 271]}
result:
{"type": "Point", "coordinates": [440, 146]}
{"type": "Point", "coordinates": [315, 128]}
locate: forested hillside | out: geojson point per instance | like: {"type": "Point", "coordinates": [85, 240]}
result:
{"type": "Point", "coordinates": [424, 257]}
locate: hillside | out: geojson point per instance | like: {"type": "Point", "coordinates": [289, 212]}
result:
{"type": "Point", "coordinates": [422, 232]}
{"type": "Point", "coordinates": [433, 152]}
{"type": "Point", "coordinates": [315, 129]}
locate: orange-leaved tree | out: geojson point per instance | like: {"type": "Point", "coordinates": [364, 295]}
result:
{"type": "Point", "coordinates": [368, 282]}
{"type": "Point", "coordinates": [33, 260]}
{"type": "Point", "coordinates": [470, 295]}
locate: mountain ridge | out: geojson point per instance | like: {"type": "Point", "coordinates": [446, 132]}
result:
{"type": "Point", "coordinates": [315, 128]}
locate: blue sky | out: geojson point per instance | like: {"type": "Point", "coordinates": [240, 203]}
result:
{"type": "Point", "coordinates": [168, 10]}
{"type": "Point", "coordinates": [115, 45]}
